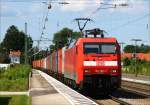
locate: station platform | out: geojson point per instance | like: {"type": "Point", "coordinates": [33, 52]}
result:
{"type": "Point", "coordinates": [43, 93]}
{"type": "Point", "coordinates": [45, 90]}
{"type": "Point", "coordinates": [139, 79]}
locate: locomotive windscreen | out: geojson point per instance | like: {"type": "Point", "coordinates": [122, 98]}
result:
{"type": "Point", "coordinates": [100, 48]}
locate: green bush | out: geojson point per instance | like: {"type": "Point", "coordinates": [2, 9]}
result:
{"type": "Point", "coordinates": [126, 61]}
{"type": "Point", "coordinates": [142, 67]}
{"type": "Point", "coordinates": [15, 100]}
{"type": "Point", "coordinates": [15, 78]}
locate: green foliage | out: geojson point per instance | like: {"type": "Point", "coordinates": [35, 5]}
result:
{"type": "Point", "coordinates": [14, 40]}
{"type": "Point", "coordinates": [62, 37]}
{"type": "Point", "coordinates": [15, 100]}
{"type": "Point", "coordinates": [41, 54]}
{"type": "Point", "coordinates": [142, 66]}
{"type": "Point", "coordinates": [139, 49]}
{"type": "Point", "coordinates": [126, 62]}
{"type": "Point", "coordinates": [52, 47]}
{"type": "Point", "coordinates": [4, 58]}
{"type": "Point", "coordinates": [15, 78]}
{"type": "Point", "coordinates": [75, 35]}
{"type": "Point", "coordinates": [144, 48]}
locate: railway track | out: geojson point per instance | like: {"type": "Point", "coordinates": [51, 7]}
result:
{"type": "Point", "coordinates": [131, 93]}
{"type": "Point", "coordinates": [119, 101]}
{"type": "Point", "coordinates": [109, 100]}
{"type": "Point", "coordinates": [136, 87]}
{"type": "Point", "coordinates": [122, 97]}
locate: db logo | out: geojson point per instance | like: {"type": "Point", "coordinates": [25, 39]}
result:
{"type": "Point", "coordinates": [100, 63]}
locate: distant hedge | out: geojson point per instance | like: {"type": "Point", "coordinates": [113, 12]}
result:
{"type": "Point", "coordinates": [142, 66]}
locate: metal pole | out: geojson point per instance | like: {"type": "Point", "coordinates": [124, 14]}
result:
{"type": "Point", "coordinates": [122, 45]}
{"type": "Point", "coordinates": [38, 42]}
{"type": "Point", "coordinates": [149, 25]}
{"type": "Point", "coordinates": [135, 55]}
{"type": "Point", "coordinates": [0, 22]}
{"type": "Point", "coordinates": [135, 59]}
{"type": "Point", "coordinates": [26, 57]}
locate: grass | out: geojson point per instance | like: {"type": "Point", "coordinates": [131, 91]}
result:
{"type": "Point", "coordinates": [142, 69]}
{"type": "Point", "coordinates": [142, 66]}
{"type": "Point", "coordinates": [15, 100]}
{"type": "Point", "coordinates": [15, 78]}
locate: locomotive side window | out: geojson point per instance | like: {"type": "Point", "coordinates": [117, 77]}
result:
{"type": "Point", "coordinates": [99, 48]}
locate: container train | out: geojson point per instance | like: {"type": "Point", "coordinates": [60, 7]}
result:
{"type": "Point", "coordinates": [93, 62]}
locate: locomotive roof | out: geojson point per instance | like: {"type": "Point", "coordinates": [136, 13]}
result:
{"type": "Point", "coordinates": [80, 40]}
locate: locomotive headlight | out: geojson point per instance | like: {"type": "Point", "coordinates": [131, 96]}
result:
{"type": "Point", "coordinates": [86, 71]}
{"type": "Point", "coordinates": [101, 71]}
{"type": "Point", "coordinates": [113, 71]}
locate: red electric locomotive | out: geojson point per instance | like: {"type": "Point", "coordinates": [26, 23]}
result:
{"type": "Point", "coordinates": [93, 62]}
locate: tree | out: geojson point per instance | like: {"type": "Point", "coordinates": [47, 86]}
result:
{"type": "Point", "coordinates": [52, 48]}
{"type": "Point", "coordinates": [29, 42]}
{"type": "Point", "coordinates": [3, 55]}
{"type": "Point", "coordinates": [126, 62]}
{"type": "Point", "coordinates": [144, 48]}
{"type": "Point", "coordinates": [64, 36]}
{"type": "Point", "coordinates": [14, 40]}
{"type": "Point", "coordinates": [76, 35]}
{"type": "Point", "coordinates": [61, 37]}
{"type": "Point", "coordinates": [139, 49]}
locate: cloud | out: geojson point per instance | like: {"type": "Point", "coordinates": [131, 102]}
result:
{"type": "Point", "coordinates": [8, 11]}
{"type": "Point", "coordinates": [23, 9]}
{"type": "Point", "coordinates": [89, 8]}
{"type": "Point", "coordinates": [20, 9]}
{"type": "Point", "coordinates": [37, 8]}
{"type": "Point", "coordinates": [80, 5]}
{"type": "Point", "coordinates": [134, 6]}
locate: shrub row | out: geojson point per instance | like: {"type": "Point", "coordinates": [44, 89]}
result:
{"type": "Point", "coordinates": [142, 67]}
{"type": "Point", "coordinates": [15, 78]}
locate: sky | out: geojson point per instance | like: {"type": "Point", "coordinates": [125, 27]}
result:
{"type": "Point", "coordinates": [124, 23]}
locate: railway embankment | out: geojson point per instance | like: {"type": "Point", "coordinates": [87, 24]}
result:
{"type": "Point", "coordinates": [14, 85]}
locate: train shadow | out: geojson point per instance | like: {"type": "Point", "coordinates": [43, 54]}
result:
{"type": "Point", "coordinates": [120, 93]}
{"type": "Point", "coordinates": [95, 94]}
{"type": "Point", "coordinates": [4, 100]}
{"type": "Point", "coordinates": [125, 94]}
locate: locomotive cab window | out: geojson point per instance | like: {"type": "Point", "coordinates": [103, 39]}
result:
{"type": "Point", "coordinates": [91, 48]}
{"type": "Point", "coordinates": [99, 48]}
{"type": "Point", "coordinates": [108, 48]}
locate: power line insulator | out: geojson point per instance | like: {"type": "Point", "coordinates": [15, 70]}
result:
{"type": "Point", "coordinates": [49, 6]}
{"type": "Point", "coordinates": [44, 27]}
{"type": "Point", "coordinates": [42, 33]}
{"type": "Point", "coordinates": [46, 19]}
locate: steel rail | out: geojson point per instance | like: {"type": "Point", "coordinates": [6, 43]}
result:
{"type": "Point", "coordinates": [119, 100]}
{"type": "Point", "coordinates": [137, 88]}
